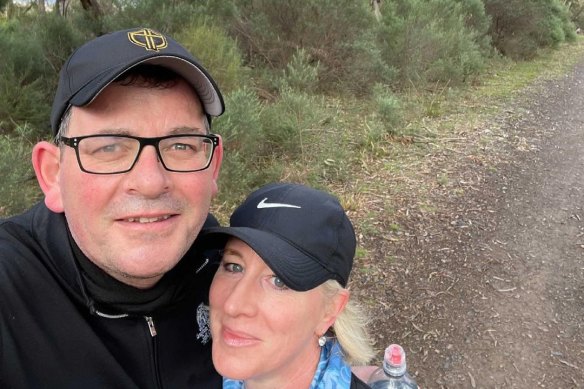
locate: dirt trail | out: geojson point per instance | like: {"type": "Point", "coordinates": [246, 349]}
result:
{"type": "Point", "coordinates": [489, 291]}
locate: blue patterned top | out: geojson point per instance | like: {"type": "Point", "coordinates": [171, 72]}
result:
{"type": "Point", "coordinates": [332, 371]}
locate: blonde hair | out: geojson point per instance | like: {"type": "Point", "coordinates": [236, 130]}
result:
{"type": "Point", "coordinates": [350, 329]}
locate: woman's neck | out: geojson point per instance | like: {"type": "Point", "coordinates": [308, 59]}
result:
{"type": "Point", "coordinates": [295, 377]}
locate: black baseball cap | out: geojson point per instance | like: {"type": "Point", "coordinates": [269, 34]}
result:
{"type": "Point", "coordinates": [97, 63]}
{"type": "Point", "coordinates": [303, 234]}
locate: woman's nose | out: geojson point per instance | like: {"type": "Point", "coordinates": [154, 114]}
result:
{"type": "Point", "coordinates": [242, 299]}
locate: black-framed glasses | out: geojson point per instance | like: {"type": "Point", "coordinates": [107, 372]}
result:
{"type": "Point", "coordinates": [113, 154]}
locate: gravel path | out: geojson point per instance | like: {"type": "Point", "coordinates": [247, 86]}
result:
{"type": "Point", "coordinates": [488, 291]}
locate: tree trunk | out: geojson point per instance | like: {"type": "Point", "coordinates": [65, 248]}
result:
{"type": "Point", "coordinates": [376, 5]}
{"type": "Point", "coordinates": [92, 6]}
{"type": "Point", "coordinates": [61, 7]}
{"type": "Point", "coordinates": [41, 6]}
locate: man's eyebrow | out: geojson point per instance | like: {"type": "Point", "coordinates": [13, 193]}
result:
{"type": "Point", "coordinates": [187, 130]}
{"type": "Point", "coordinates": [113, 131]}
{"type": "Point", "coordinates": [182, 130]}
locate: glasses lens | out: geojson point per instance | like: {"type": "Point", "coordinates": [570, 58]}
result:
{"type": "Point", "coordinates": [107, 154]}
{"type": "Point", "coordinates": [186, 152]}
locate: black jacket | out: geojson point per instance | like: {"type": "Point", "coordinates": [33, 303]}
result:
{"type": "Point", "coordinates": [55, 334]}
{"type": "Point", "coordinates": [356, 383]}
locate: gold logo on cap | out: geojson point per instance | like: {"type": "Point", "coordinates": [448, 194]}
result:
{"type": "Point", "coordinates": [148, 39]}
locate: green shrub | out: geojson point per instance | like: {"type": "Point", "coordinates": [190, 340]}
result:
{"type": "Point", "coordinates": [520, 27]}
{"type": "Point", "coordinates": [287, 123]}
{"type": "Point", "coordinates": [432, 40]}
{"type": "Point", "coordinates": [300, 74]}
{"type": "Point", "coordinates": [33, 50]}
{"type": "Point", "coordinates": [330, 32]}
{"type": "Point", "coordinates": [218, 53]}
{"type": "Point", "coordinates": [389, 109]}
{"type": "Point", "coordinates": [170, 17]}
{"type": "Point", "coordinates": [245, 163]}
{"type": "Point", "coordinates": [21, 101]}
{"type": "Point", "coordinates": [19, 189]}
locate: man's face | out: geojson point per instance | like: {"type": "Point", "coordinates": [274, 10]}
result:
{"type": "Point", "coordinates": [137, 225]}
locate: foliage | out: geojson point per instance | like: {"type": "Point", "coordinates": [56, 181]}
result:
{"type": "Point", "coordinates": [576, 8]}
{"type": "Point", "coordinates": [520, 27]}
{"type": "Point", "coordinates": [33, 52]}
{"type": "Point", "coordinates": [300, 74]}
{"type": "Point", "coordinates": [332, 34]}
{"type": "Point", "coordinates": [19, 188]}
{"type": "Point", "coordinates": [19, 99]}
{"type": "Point", "coordinates": [244, 155]}
{"type": "Point", "coordinates": [168, 17]}
{"type": "Point", "coordinates": [389, 109]}
{"type": "Point", "coordinates": [288, 121]}
{"type": "Point", "coordinates": [432, 40]}
{"type": "Point", "coordinates": [216, 51]}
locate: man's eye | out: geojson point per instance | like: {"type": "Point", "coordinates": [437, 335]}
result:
{"type": "Point", "coordinates": [108, 148]}
{"type": "Point", "coordinates": [181, 147]}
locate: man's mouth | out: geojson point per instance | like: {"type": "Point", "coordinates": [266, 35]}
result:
{"type": "Point", "coordinates": [147, 219]}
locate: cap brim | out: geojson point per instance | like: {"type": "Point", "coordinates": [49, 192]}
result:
{"type": "Point", "coordinates": [203, 84]}
{"type": "Point", "coordinates": [296, 269]}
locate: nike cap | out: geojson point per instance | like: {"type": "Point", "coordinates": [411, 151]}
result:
{"type": "Point", "coordinates": [97, 63]}
{"type": "Point", "coordinates": [302, 234]}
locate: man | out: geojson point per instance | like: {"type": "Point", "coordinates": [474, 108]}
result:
{"type": "Point", "coordinates": [101, 285]}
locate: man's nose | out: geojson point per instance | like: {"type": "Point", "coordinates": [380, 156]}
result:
{"type": "Point", "coordinates": [148, 176]}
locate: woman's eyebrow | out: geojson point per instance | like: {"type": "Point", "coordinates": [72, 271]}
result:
{"type": "Point", "coordinates": [232, 252]}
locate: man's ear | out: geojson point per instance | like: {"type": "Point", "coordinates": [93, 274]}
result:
{"type": "Point", "coordinates": [46, 163]}
{"type": "Point", "coordinates": [216, 163]}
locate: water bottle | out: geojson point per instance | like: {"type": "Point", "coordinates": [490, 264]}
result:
{"type": "Point", "coordinates": [393, 374]}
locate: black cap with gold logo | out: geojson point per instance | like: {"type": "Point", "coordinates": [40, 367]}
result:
{"type": "Point", "coordinates": [97, 63]}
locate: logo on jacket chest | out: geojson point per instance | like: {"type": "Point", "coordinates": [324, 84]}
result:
{"type": "Point", "coordinates": [204, 333]}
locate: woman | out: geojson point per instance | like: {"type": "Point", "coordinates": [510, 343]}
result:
{"type": "Point", "coordinates": [279, 308]}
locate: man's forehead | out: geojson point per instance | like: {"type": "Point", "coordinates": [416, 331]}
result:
{"type": "Point", "coordinates": [127, 103]}
{"type": "Point", "coordinates": [111, 96]}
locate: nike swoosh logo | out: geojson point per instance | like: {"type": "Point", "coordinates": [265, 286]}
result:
{"type": "Point", "coordinates": [263, 204]}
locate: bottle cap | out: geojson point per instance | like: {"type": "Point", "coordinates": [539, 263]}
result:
{"type": "Point", "coordinates": [394, 361]}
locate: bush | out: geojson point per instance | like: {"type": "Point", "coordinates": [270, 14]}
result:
{"type": "Point", "coordinates": [432, 40]}
{"type": "Point", "coordinates": [300, 74]}
{"type": "Point", "coordinates": [33, 51]}
{"type": "Point", "coordinates": [22, 101]}
{"type": "Point", "coordinates": [245, 162]}
{"type": "Point", "coordinates": [520, 27]}
{"type": "Point", "coordinates": [288, 121]}
{"type": "Point", "coordinates": [261, 141]}
{"type": "Point", "coordinates": [330, 32]}
{"type": "Point", "coordinates": [165, 16]}
{"type": "Point", "coordinates": [389, 110]}
{"type": "Point", "coordinates": [218, 53]}
{"type": "Point", "coordinates": [19, 189]}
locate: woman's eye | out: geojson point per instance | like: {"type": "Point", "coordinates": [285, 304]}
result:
{"type": "Point", "coordinates": [278, 283]}
{"type": "Point", "coordinates": [232, 267]}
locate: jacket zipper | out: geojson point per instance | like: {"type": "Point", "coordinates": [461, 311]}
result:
{"type": "Point", "coordinates": [151, 326]}
{"type": "Point", "coordinates": [153, 333]}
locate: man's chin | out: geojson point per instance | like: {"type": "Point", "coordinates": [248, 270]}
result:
{"type": "Point", "coordinates": [140, 281]}
{"type": "Point", "coordinates": [142, 276]}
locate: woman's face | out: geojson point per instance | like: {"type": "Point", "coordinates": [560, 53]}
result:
{"type": "Point", "coordinates": [263, 331]}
